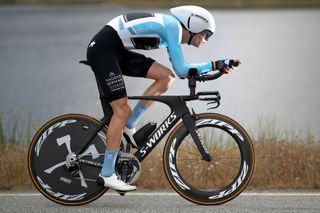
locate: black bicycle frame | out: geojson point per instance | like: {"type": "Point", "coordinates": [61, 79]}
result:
{"type": "Point", "coordinates": [179, 110]}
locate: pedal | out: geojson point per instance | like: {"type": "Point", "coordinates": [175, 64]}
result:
{"type": "Point", "coordinates": [100, 181]}
{"type": "Point", "coordinates": [121, 193]}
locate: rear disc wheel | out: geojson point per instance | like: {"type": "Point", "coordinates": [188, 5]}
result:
{"type": "Point", "coordinates": [54, 147]}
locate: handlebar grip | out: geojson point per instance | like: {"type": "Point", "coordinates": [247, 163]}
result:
{"type": "Point", "coordinates": [209, 77]}
{"type": "Point", "coordinates": [235, 63]}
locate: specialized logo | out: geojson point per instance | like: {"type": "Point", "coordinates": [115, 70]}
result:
{"type": "Point", "coordinates": [158, 134]}
{"type": "Point", "coordinates": [173, 169]}
{"type": "Point", "coordinates": [93, 163]}
{"type": "Point", "coordinates": [200, 17]}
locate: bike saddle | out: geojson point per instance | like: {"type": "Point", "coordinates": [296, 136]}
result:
{"type": "Point", "coordinates": [85, 62]}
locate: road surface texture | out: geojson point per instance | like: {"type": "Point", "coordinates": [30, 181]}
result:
{"type": "Point", "coordinates": [165, 202]}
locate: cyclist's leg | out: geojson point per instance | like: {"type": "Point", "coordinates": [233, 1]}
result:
{"type": "Point", "coordinates": [163, 77]}
{"type": "Point", "coordinates": [121, 113]}
{"type": "Point", "coordinates": [112, 90]}
{"type": "Point", "coordinates": [105, 55]}
{"type": "Point", "coordinates": [137, 65]}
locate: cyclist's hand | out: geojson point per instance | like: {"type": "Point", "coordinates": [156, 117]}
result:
{"type": "Point", "coordinates": [226, 65]}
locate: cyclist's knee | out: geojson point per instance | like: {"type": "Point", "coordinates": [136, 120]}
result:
{"type": "Point", "coordinates": [125, 112]}
{"type": "Point", "coordinates": [167, 81]}
{"type": "Point", "coordinates": [121, 109]}
{"type": "Point", "coordinates": [166, 78]}
{"type": "Point", "coordinates": [159, 72]}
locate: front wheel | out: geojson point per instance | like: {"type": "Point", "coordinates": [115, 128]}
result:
{"type": "Point", "coordinates": [221, 179]}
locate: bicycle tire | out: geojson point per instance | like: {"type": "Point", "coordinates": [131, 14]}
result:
{"type": "Point", "coordinates": [214, 183]}
{"type": "Point", "coordinates": [47, 156]}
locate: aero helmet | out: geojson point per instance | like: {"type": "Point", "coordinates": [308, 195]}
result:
{"type": "Point", "coordinates": [195, 19]}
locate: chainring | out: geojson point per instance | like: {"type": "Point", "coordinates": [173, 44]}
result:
{"type": "Point", "coordinates": [128, 167]}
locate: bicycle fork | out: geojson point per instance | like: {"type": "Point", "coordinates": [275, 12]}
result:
{"type": "Point", "coordinates": [189, 122]}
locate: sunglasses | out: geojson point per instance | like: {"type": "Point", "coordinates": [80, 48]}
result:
{"type": "Point", "coordinates": [207, 34]}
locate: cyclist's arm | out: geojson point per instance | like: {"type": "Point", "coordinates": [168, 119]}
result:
{"type": "Point", "coordinates": [176, 56]}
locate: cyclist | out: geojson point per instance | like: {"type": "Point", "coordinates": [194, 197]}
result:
{"type": "Point", "coordinates": [110, 57]}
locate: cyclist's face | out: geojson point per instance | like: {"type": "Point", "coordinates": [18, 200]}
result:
{"type": "Point", "coordinates": [198, 40]}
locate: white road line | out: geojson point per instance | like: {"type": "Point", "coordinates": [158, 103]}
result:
{"type": "Point", "coordinates": [169, 194]}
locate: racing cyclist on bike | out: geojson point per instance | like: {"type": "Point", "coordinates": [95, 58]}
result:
{"type": "Point", "coordinates": [110, 57]}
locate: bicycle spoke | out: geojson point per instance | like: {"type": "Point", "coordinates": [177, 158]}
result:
{"type": "Point", "coordinates": [198, 155]}
{"type": "Point", "coordinates": [217, 144]}
{"type": "Point", "coordinates": [229, 165]}
{"type": "Point", "coordinates": [211, 141]}
{"type": "Point", "coordinates": [196, 159]}
{"type": "Point", "coordinates": [193, 172]}
{"type": "Point", "coordinates": [203, 136]}
{"type": "Point", "coordinates": [224, 170]}
{"type": "Point", "coordinates": [221, 178]}
{"type": "Point", "coordinates": [228, 150]}
{"type": "Point", "coordinates": [206, 177]}
{"type": "Point", "coordinates": [227, 158]}
{"type": "Point", "coordinates": [191, 143]}
{"type": "Point", "coordinates": [225, 152]}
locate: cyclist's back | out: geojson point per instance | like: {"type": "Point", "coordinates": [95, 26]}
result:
{"type": "Point", "coordinates": [146, 30]}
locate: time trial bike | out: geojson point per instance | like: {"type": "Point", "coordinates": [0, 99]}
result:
{"type": "Point", "coordinates": [208, 158]}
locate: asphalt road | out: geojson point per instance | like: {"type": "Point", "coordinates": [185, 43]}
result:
{"type": "Point", "coordinates": [165, 202]}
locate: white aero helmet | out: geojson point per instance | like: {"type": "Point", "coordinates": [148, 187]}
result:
{"type": "Point", "coordinates": [195, 19]}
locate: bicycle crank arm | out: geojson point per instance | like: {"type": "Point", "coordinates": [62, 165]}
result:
{"type": "Point", "coordinates": [192, 128]}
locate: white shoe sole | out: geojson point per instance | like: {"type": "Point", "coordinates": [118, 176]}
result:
{"type": "Point", "coordinates": [101, 182]}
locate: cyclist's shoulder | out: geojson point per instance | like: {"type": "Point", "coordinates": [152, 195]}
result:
{"type": "Point", "coordinates": [170, 20]}
{"type": "Point", "coordinates": [173, 29]}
